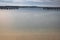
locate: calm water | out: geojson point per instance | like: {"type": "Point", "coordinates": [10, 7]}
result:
{"type": "Point", "coordinates": [30, 20]}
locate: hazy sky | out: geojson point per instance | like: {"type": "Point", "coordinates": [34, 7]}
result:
{"type": "Point", "coordinates": [53, 3]}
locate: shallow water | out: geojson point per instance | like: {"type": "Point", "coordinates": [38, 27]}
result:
{"type": "Point", "coordinates": [30, 19]}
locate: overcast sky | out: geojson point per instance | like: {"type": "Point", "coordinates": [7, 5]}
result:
{"type": "Point", "coordinates": [52, 3]}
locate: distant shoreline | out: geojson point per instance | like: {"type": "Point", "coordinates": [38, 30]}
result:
{"type": "Point", "coordinates": [17, 7]}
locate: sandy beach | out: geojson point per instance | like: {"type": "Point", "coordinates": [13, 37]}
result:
{"type": "Point", "coordinates": [29, 36]}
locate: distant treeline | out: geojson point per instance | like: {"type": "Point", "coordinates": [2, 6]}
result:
{"type": "Point", "coordinates": [17, 7]}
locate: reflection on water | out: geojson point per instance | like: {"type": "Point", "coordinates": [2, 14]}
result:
{"type": "Point", "coordinates": [28, 21]}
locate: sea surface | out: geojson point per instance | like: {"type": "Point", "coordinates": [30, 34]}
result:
{"type": "Point", "coordinates": [29, 24]}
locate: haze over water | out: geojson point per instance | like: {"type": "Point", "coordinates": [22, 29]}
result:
{"type": "Point", "coordinates": [29, 24]}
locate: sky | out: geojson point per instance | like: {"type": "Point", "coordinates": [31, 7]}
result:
{"type": "Point", "coordinates": [52, 3]}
